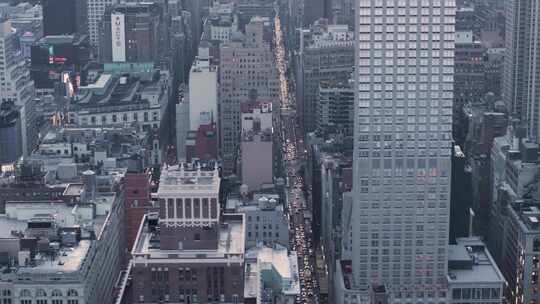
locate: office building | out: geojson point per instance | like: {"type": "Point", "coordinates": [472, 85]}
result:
{"type": "Point", "coordinates": [17, 87]}
{"type": "Point", "coordinates": [257, 145]}
{"type": "Point", "coordinates": [520, 86]}
{"type": "Point", "coordinates": [513, 235]}
{"type": "Point", "coordinates": [469, 76]}
{"type": "Point", "coordinates": [342, 12]}
{"type": "Point", "coordinates": [28, 20]}
{"type": "Point", "coordinates": [473, 274]}
{"type": "Point", "coordinates": [58, 63]}
{"type": "Point", "coordinates": [10, 133]}
{"type": "Point", "coordinates": [271, 275]}
{"type": "Point", "coordinates": [222, 22]}
{"type": "Point", "coordinates": [335, 108]}
{"type": "Point", "coordinates": [95, 12]}
{"type": "Point", "coordinates": [247, 73]}
{"type": "Point", "coordinates": [521, 261]}
{"type": "Point", "coordinates": [313, 10]}
{"type": "Point", "coordinates": [190, 251]}
{"type": "Point", "coordinates": [494, 71]}
{"type": "Point", "coordinates": [137, 202]}
{"type": "Point", "coordinates": [66, 249]}
{"type": "Point", "coordinates": [131, 32]}
{"type": "Point", "coordinates": [402, 162]}
{"type": "Point", "coordinates": [203, 88]}
{"type": "Point", "coordinates": [64, 17]}
{"type": "Point", "coordinates": [125, 100]}
{"type": "Point", "coordinates": [266, 221]}
{"type": "Point", "coordinates": [326, 54]}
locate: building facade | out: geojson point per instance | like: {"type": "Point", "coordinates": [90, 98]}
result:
{"type": "Point", "coordinates": [326, 54]}
{"type": "Point", "coordinates": [473, 274]}
{"type": "Point", "coordinates": [520, 86]}
{"type": "Point", "coordinates": [198, 254]}
{"type": "Point", "coordinates": [403, 134]}
{"type": "Point", "coordinates": [64, 17]}
{"type": "Point", "coordinates": [95, 12]}
{"type": "Point", "coordinates": [266, 221]}
{"type": "Point", "coordinates": [17, 88]}
{"type": "Point", "coordinates": [247, 72]}
{"type": "Point", "coordinates": [131, 32]}
{"type": "Point", "coordinates": [64, 250]}
{"type": "Point", "coordinates": [335, 108]}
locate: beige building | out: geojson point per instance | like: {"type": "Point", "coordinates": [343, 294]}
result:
{"type": "Point", "coordinates": [247, 73]}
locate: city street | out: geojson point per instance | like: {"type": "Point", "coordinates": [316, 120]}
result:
{"type": "Point", "coordinates": [294, 156]}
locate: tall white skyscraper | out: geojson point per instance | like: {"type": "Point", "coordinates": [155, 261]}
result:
{"type": "Point", "coordinates": [402, 149]}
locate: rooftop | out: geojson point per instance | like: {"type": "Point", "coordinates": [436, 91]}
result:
{"type": "Point", "coordinates": [187, 178]}
{"type": "Point", "coordinates": [230, 243]}
{"type": "Point", "coordinates": [129, 91]}
{"type": "Point", "coordinates": [259, 201]}
{"type": "Point", "coordinates": [50, 244]}
{"type": "Point", "coordinates": [275, 268]}
{"type": "Point", "coordinates": [469, 261]}
{"type": "Point", "coordinates": [528, 214]}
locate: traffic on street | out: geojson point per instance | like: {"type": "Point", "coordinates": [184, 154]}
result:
{"type": "Point", "coordinates": [294, 157]}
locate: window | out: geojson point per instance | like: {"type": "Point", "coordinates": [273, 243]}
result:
{"type": "Point", "coordinates": [25, 293]}
{"type": "Point", "coordinates": [72, 293]}
{"type": "Point", "coordinates": [536, 245]}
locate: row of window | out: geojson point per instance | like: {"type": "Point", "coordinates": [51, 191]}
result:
{"type": "Point", "coordinates": [26, 293]}
{"type": "Point", "coordinates": [44, 301]}
{"type": "Point", "coordinates": [401, 3]}
{"type": "Point", "coordinates": [125, 117]}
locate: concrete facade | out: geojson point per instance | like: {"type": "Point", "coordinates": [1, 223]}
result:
{"type": "Point", "coordinates": [402, 143]}
{"type": "Point", "coordinates": [247, 73]}
{"type": "Point", "coordinates": [198, 254]}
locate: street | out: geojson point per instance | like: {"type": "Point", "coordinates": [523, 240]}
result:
{"type": "Point", "coordinates": [294, 157]}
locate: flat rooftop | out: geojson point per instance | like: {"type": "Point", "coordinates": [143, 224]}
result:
{"type": "Point", "coordinates": [178, 178]}
{"type": "Point", "coordinates": [265, 264]}
{"type": "Point", "coordinates": [231, 241]}
{"type": "Point", "coordinates": [470, 262]}
{"type": "Point", "coordinates": [528, 214]}
{"type": "Point", "coordinates": [68, 260]}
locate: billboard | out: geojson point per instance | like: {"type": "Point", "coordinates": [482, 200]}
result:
{"type": "Point", "coordinates": [118, 36]}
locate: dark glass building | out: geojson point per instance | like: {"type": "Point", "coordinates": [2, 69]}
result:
{"type": "Point", "coordinates": [64, 17]}
{"type": "Point", "coordinates": [53, 56]}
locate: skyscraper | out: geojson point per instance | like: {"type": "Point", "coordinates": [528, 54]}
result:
{"type": "Point", "coordinates": [16, 87]}
{"type": "Point", "coordinates": [521, 87]}
{"type": "Point", "coordinates": [130, 32]}
{"type": "Point", "coordinates": [403, 132]}
{"type": "Point", "coordinates": [96, 10]}
{"type": "Point", "coordinates": [64, 17]}
{"type": "Point", "coordinates": [246, 74]}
